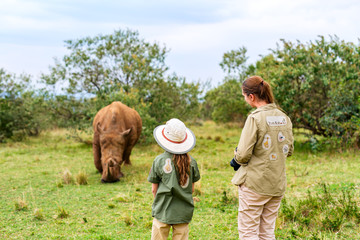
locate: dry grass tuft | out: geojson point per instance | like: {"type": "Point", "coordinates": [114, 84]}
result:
{"type": "Point", "coordinates": [219, 139]}
{"type": "Point", "coordinates": [67, 177]}
{"type": "Point", "coordinates": [21, 204]}
{"type": "Point", "coordinates": [148, 224]}
{"type": "Point", "coordinates": [38, 214]}
{"type": "Point", "coordinates": [121, 198]}
{"type": "Point", "coordinates": [197, 190]}
{"type": "Point", "coordinates": [82, 178]}
{"type": "Point", "coordinates": [59, 184]}
{"type": "Point", "coordinates": [62, 213]}
{"type": "Point", "coordinates": [128, 220]}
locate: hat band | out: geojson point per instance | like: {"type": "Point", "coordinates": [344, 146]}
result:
{"type": "Point", "coordinates": [171, 140]}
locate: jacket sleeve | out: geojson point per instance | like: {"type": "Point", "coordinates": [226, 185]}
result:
{"type": "Point", "coordinates": [291, 148]}
{"type": "Point", "coordinates": [195, 172]}
{"type": "Point", "coordinates": [247, 141]}
{"type": "Point", "coordinates": [154, 176]}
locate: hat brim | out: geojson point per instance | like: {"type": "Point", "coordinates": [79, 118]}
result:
{"type": "Point", "coordinates": [175, 148]}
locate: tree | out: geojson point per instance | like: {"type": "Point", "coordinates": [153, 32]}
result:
{"type": "Point", "coordinates": [233, 62]}
{"type": "Point", "coordinates": [317, 84]}
{"type": "Point", "coordinates": [174, 98]}
{"type": "Point", "coordinates": [225, 103]}
{"type": "Point", "coordinates": [105, 63]}
{"type": "Point", "coordinates": [21, 109]}
{"type": "Point", "coordinates": [119, 67]}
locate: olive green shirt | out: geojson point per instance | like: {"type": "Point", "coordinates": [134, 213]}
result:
{"type": "Point", "coordinates": [266, 140]}
{"type": "Point", "coordinates": [173, 204]}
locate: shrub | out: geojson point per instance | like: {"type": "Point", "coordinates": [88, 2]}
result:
{"type": "Point", "coordinates": [22, 111]}
{"type": "Point", "coordinates": [317, 84]}
{"type": "Point", "coordinates": [226, 103]}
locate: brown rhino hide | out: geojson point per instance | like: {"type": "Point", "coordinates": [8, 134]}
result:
{"type": "Point", "coordinates": [117, 128]}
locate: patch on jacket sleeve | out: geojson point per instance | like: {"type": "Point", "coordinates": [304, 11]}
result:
{"type": "Point", "coordinates": [275, 121]}
{"type": "Point", "coordinates": [285, 149]}
{"type": "Point", "coordinates": [266, 144]}
{"type": "Point", "coordinates": [167, 167]}
{"type": "Point", "coordinates": [281, 137]}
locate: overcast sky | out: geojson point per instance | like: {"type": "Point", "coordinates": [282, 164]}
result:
{"type": "Point", "coordinates": [197, 32]}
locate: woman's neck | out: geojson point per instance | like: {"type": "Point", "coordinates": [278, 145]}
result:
{"type": "Point", "coordinates": [260, 104]}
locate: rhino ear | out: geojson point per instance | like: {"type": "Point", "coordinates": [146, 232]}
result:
{"type": "Point", "coordinates": [126, 132]}
{"type": "Point", "coordinates": [98, 127]}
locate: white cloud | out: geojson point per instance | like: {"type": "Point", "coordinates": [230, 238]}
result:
{"type": "Point", "coordinates": [196, 45]}
{"type": "Point", "coordinates": [18, 23]}
{"type": "Point", "coordinates": [20, 7]}
{"type": "Point", "coordinates": [282, 18]}
{"type": "Point", "coordinates": [28, 59]}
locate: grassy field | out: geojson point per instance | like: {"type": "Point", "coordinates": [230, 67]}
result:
{"type": "Point", "coordinates": [36, 203]}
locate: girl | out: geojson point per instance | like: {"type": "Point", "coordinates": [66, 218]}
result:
{"type": "Point", "coordinates": [173, 175]}
{"type": "Point", "coordinates": [265, 142]}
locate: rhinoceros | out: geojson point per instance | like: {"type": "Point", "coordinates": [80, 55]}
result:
{"type": "Point", "coordinates": [117, 128]}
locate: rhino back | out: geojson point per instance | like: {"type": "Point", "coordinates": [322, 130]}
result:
{"type": "Point", "coordinates": [119, 117]}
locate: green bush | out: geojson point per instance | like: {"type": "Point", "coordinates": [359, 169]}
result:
{"type": "Point", "coordinates": [317, 84]}
{"type": "Point", "coordinates": [22, 111]}
{"type": "Point", "coordinates": [226, 103]}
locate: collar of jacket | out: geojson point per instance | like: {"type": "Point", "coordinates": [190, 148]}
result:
{"type": "Point", "coordinates": [266, 107]}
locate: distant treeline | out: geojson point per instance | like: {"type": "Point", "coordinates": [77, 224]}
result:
{"type": "Point", "coordinates": [317, 83]}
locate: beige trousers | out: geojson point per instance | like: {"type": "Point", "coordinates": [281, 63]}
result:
{"type": "Point", "coordinates": [257, 214]}
{"type": "Point", "coordinates": [160, 231]}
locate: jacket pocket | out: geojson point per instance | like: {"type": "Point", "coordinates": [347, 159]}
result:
{"type": "Point", "coordinates": [240, 176]}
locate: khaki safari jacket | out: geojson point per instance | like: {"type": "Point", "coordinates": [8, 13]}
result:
{"type": "Point", "coordinates": [266, 140]}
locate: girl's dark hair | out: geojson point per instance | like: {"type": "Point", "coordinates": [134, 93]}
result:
{"type": "Point", "coordinates": [182, 165]}
{"type": "Point", "coordinates": [256, 85]}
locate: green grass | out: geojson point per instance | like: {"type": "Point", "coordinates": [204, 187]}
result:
{"type": "Point", "coordinates": [36, 203]}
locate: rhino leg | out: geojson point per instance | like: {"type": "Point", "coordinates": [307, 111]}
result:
{"type": "Point", "coordinates": [97, 153]}
{"type": "Point", "coordinates": [126, 156]}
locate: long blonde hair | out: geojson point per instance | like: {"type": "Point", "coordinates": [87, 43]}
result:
{"type": "Point", "coordinates": [182, 165]}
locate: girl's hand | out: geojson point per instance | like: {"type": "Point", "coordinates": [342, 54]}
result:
{"type": "Point", "coordinates": [154, 188]}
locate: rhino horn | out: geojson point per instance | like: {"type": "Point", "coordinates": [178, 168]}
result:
{"type": "Point", "coordinates": [108, 171]}
{"type": "Point", "coordinates": [112, 163]}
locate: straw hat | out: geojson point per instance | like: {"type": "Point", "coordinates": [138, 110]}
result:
{"type": "Point", "coordinates": [175, 137]}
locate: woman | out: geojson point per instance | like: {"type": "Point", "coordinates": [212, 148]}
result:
{"type": "Point", "coordinates": [173, 175]}
{"type": "Point", "coordinates": [265, 142]}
